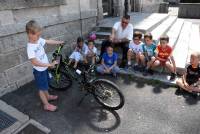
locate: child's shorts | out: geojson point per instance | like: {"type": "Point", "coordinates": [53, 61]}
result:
{"type": "Point", "coordinates": [148, 58]}
{"type": "Point", "coordinates": [41, 79]}
{"type": "Point", "coordinates": [76, 56]}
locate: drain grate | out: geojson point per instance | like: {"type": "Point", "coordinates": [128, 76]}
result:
{"type": "Point", "coordinates": [6, 120]}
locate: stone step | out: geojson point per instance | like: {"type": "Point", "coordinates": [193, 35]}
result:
{"type": "Point", "coordinates": [135, 19]}
{"type": "Point", "coordinates": [141, 21]}
{"type": "Point", "coordinates": [103, 35]}
{"type": "Point", "coordinates": [163, 27]}
{"type": "Point", "coordinates": [194, 45]}
{"type": "Point", "coordinates": [150, 23]}
{"type": "Point", "coordinates": [181, 49]}
{"type": "Point", "coordinates": [174, 32]}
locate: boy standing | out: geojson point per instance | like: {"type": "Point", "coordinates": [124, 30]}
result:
{"type": "Point", "coordinates": [39, 60]}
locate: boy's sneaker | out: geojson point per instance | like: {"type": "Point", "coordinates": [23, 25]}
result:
{"type": "Point", "coordinates": [172, 76]}
{"type": "Point", "coordinates": [115, 75]}
{"type": "Point", "coordinates": [179, 91]}
{"type": "Point", "coordinates": [136, 67]}
{"type": "Point", "coordinates": [142, 69]}
{"type": "Point", "coordinates": [145, 73]}
{"type": "Point", "coordinates": [150, 71]}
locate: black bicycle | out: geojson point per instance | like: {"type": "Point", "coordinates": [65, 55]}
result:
{"type": "Point", "coordinates": [104, 91]}
{"type": "Point", "coordinates": [58, 79]}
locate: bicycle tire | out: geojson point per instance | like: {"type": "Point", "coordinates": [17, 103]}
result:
{"type": "Point", "coordinates": [98, 94]}
{"type": "Point", "coordinates": [61, 84]}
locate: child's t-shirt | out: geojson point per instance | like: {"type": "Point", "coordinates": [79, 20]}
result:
{"type": "Point", "coordinates": [163, 53]}
{"type": "Point", "coordinates": [89, 51]}
{"type": "Point", "coordinates": [109, 60]}
{"type": "Point", "coordinates": [192, 74]}
{"type": "Point", "coordinates": [83, 49]}
{"type": "Point", "coordinates": [135, 48]}
{"type": "Point", "coordinates": [37, 51]}
{"type": "Point", "coordinates": [149, 49]}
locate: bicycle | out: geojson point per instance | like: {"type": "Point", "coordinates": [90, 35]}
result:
{"type": "Point", "coordinates": [58, 79]}
{"type": "Point", "coordinates": [104, 91]}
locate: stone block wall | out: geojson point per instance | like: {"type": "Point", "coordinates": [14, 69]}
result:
{"type": "Point", "coordinates": [61, 19]}
{"type": "Point", "coordinates": [189, 10]}
{"type": "Point", "coordinates": [150, 6]}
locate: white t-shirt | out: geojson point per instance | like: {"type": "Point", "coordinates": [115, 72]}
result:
{"type": "Point", "coordinates": [123, 33]}
{"type": "Point", "coordinates": [135, 48]}
{"type": "Point", "coordinates": [37, 51]}
{"type": "Point", "coordinates": [84, 49]}
{"type": "Point", "coordinates": [88, 51]}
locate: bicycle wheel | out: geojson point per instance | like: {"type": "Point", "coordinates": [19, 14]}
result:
{"type": "Point", "coordinates": [108, 94]}
{"type": "Point", "coordinates": [60, 81]}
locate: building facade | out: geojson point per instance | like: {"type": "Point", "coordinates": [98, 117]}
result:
{"type": "Point", "coordinates": [61, 20]}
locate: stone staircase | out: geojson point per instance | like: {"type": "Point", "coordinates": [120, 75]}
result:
{"type": "Point", "coordinates": [184, 35]}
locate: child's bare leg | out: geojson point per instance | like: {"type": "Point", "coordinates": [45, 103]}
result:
{"type": "Point", "coordinates": [70, 61]}
{"type": "Point", "coordinates": [142, 58]}
{"type": "Point", "coordinates": [43, 98]}
{"type": "Point", "coordinates": [85, 60]}
{"type": "Point", "coordinates": [170, 67]}
{"type": "Point", "coordinates": [75, 64]}
{"type": "Point", "coordinates": [50, 97]}
{"type": "Point", "coordinates": [137, 57]}
{"type": "Point", "coordinates": [47, 105]}
{"type": "Point", "coordinates": [129, 55]}
{"type": "Point", "coordinates": [180, 83]}
{"type": "Point", "coordinates": [93, 60]}
{"type": "Point", "coordinates": [155, 64]}
{"type": "Point", "coordinates": [150, 63]}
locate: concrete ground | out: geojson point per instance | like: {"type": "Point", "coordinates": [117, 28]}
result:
{"type": "Point", "coordinates": [150, 107]}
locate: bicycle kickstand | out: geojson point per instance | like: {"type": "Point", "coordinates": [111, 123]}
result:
{"type": "Point", "coordinates": [86, 94]}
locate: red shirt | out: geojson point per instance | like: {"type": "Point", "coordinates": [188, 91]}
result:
{"type": "Point", "coordinates": [164, 53]}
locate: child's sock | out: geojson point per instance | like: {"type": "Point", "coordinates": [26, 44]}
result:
{"type": "Point", "coordinates": [129, 63]}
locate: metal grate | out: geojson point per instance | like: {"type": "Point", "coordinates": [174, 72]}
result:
{"type": "Point", "coordinates": [6, 120]}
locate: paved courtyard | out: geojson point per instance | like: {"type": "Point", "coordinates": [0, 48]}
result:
{"type": "Point", "coordinates": [150, 108]}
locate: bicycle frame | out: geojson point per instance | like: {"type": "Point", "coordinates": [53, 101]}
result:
{"type": "Point", "coordinates": [84, 80]}
{"type": "Point", "coordinates": [55, 56]}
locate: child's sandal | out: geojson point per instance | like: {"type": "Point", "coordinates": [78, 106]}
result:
{"type": "Point", "coordinates": [50, 108]}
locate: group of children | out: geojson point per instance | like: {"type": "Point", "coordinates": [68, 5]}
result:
{"type": "Point", "coordinates": [147, 55]}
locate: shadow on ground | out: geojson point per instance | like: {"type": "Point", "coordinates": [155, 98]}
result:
{"type": "Point", "coordinates": [70, 117]}
{"type": "Point", "coordinates": [165, 110]}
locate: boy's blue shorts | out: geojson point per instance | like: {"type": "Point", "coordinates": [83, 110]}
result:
{"type": "Point", "coordinates": [41, 79]}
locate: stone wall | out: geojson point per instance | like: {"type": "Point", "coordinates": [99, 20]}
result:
{"type": "Point", "coordinates": [61, 19]}
{"type": "Point", "coordinates": [189, 10]}
{"type": "Point", "coordinates": [150, 6]}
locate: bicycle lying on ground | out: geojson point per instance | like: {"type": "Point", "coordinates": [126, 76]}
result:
{"type": "Point", "coordinates": [104, 91]}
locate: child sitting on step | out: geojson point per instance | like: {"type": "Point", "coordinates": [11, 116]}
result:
{"type": "Point", "coordinates": [164, 57]}
{"type": "Point", "coordinates": [90, 53]}
{"type": "Point", "coordinates": [109, 62]}
{"type": "Point", "coordinates": [190, 81]}
{"type": "Point", "coordinates": [148, 53]}
{"type": "Point", "coordinates": [135, 49]}
{"type": "Point", "coordinates": [79, 53]}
